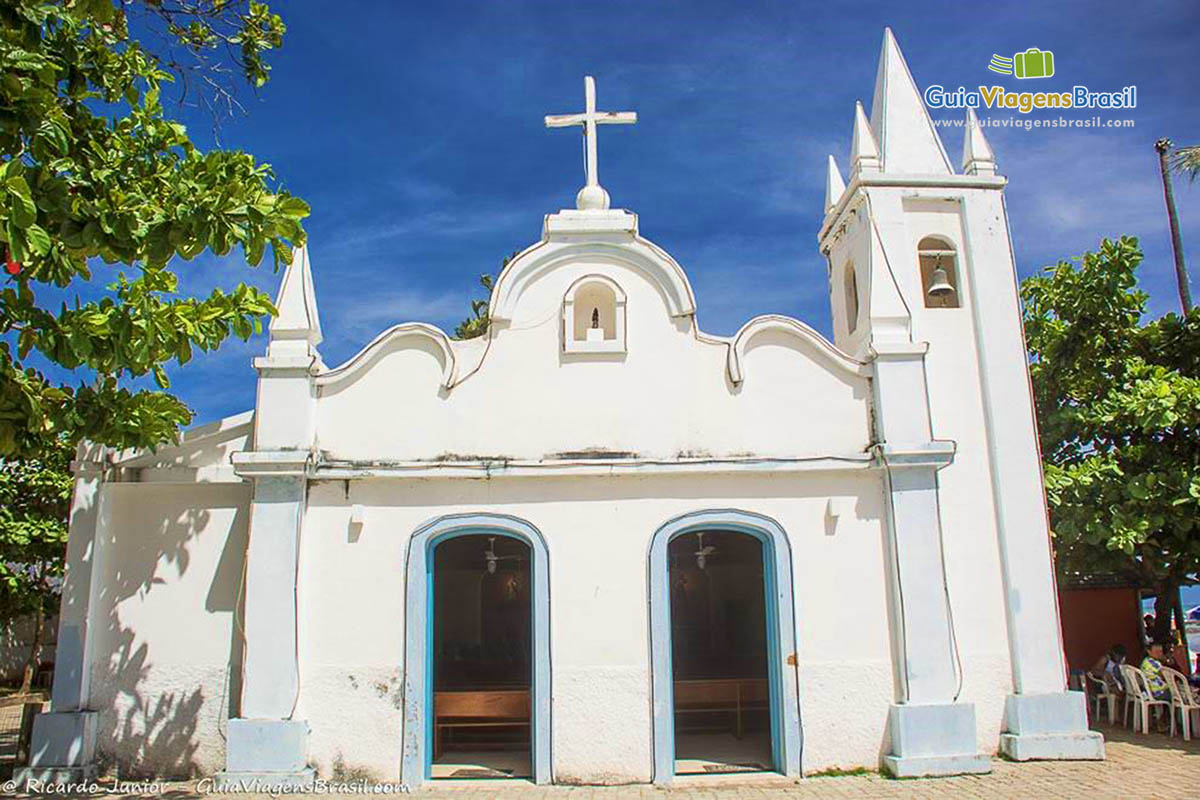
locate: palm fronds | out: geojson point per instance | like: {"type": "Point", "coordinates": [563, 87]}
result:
{"type": "Point", "coordinates": [1187, 160]}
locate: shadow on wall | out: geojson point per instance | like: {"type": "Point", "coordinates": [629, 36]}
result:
{"type": "Point", "coordinates": [153, 720]}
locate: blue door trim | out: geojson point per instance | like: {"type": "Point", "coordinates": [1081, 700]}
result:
{"type": "Point", "coordinates": [418, 638]}
{"type": "Point", "coordinates": [786, 736]}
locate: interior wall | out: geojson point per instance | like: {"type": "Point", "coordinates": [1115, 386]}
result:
{"type": "Point", "coordinates": [483, 621]}
{"type": "Point", "coordinates": [722, 603]}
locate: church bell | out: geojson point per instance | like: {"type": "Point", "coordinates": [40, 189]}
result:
{"type": "Point", "coordinates": [939, 285]}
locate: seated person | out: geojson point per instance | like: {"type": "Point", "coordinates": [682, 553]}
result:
{"type": "Point", "coordinates": [1152, 666]}
{"type": "Point", "coordinates": [1108, 668]}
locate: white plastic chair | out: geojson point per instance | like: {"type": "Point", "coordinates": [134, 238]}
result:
{"type": "Point", "coordinates": [1183, 702]}
{"type": "Point", "coordinates": [1137, 694]}
{"type": "Point", "coordinates": [1101, 691]}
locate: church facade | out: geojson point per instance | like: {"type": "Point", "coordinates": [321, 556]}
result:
{"type": "Point", "coordinates": [596, 544]}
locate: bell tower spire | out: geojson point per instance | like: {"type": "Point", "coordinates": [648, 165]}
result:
{"type": "Point", "coordinates": [908, 142]}
{"type": "Point", "coordinates": [923, 286]}
{"type": "Point", "coordinates": [835, 187]}
{"type": "Point", "coordinates": [864, 152]}
{"type": "Point", "coordinates": [977, 157]}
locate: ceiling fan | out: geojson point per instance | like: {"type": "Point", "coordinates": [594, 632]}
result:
{"type": "Point", "coordinates": [703, 552]}
{"type": "Point", "coordinates": [491, 559]}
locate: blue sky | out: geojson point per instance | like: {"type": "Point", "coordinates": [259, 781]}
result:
{"type": "Point", "coordinates": [415, 131]}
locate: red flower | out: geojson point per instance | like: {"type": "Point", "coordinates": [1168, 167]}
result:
{"type": "Point", "coordinates": [11, 265]}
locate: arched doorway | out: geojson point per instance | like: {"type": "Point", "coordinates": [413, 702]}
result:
{"type": "Point", "coordinates": [723, 645]}
{"type": "Point", "coordinates": [477, 663]}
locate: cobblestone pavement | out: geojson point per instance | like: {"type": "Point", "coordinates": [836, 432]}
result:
{"type": "Point", "coordinates": [1151, 767]}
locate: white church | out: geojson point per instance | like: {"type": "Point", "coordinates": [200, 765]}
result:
{"type": "Point", "coordinates": [597, 545]}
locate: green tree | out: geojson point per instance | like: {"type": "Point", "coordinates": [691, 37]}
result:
{"type": "Point", "coordinates": [35, 494]}
{"type": "Point", "coordinates": [477, 324]}
{"type": "Point", "coordinates": [1118, 404]}
{"type": "Point", "coordinates": [95, 174]}
{"type": "Point", "coordinates": [102, 197]}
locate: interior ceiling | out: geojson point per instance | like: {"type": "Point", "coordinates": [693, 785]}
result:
{"type": "Point", "coordinates": [730, 547]}
{"type": "Point", "coordinates": [467, 552]}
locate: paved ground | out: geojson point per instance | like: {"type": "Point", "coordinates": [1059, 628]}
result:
{"type": "Point", "coordinates": [1141, 767]}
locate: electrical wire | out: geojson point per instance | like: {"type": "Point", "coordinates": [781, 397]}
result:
{"type": "Point", "coordinates": [491, 334]}
{"type": "Point", "coordinates": [887, 469]}
{"type": "Point", "coordinates": [952, 633]}
{"type": "Point", "coordinates": [958, 670]}
{"type": "Point", "coordinates": [239, 622]}
{"type": "Point", "coordinates": [240, 629]}
{"type": "Point", "coordinates": [296, 590]}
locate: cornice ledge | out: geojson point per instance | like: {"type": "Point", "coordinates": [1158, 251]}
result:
{"type": "Point", "coordinates": [896, 180]}
{"type": "Point", "coordinates": [271, 463]}
{"type": "Point", "coordinates": [925, 455]}
{"type": "Point", "coordinates": [882, 351]}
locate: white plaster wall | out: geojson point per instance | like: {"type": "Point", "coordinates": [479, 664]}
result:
{"type": "Point", "coordinates": [968, 511]}
{"type": "Point", "coordinates": [598, 533]}
{"type": "Point", "coordinates": [351, 601]}
{"type": "Point", "coordinates": [902, 217]}
{"type": "Point", "coordinates": [668, 396]}
{"type": "Point", "coordinates": [169, 569]}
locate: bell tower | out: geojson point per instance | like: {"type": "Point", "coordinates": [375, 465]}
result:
{"type": "Point", "coordinates": [923, 286]}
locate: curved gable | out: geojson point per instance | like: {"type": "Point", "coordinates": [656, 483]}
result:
{"type": "Point", "coordinates": [636, 379]}
{"type": "Point", "coordinates": [606, 237]}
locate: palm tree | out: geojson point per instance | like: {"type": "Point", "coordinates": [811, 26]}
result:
{"type": "Point", "coordinates": [1187, 160]}
{"type": "Point", "coordinates": [1163, 148]}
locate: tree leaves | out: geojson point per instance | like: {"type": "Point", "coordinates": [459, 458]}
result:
{"type": "Point", "coordinates": [1118, 405]}
{"type": "Point", "coordinates": [94, 174]}
{"type": "Point", "coordinates": [34, 497]}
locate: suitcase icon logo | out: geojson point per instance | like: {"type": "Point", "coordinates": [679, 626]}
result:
{"type": "Point", "coordinates": [1033, 63]}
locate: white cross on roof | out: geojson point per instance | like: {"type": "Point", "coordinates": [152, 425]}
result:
{"type": "Point", "coordinates": [592, 195]}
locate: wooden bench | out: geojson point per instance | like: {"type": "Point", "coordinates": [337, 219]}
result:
{"type": "Point", "coordinates": [732, 696]}
{"type": "Point", "coordinates": [499, 708]}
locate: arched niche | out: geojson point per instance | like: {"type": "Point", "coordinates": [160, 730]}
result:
{"type": "Point", "coordinates": [938, 260]}
{"type": "Point", "coordinates": [850, 296]}
{"type": "Point", "coordinates": [593, 316]}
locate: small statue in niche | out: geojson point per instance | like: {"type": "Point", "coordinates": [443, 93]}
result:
{"type": "Point", "coordinates": [595, 333]}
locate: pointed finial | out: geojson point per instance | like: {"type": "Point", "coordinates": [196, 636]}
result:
{"type": "Point", "coordinates": [977, 156]}
{"type": "Point", "coordinates": [835, 187]}
{"type": "Point", "coordinates": [864, 153]}
{"type": "Point", "coordinates": [907, 140]}
{"type": "Point", "coordinates": [297, 303]}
